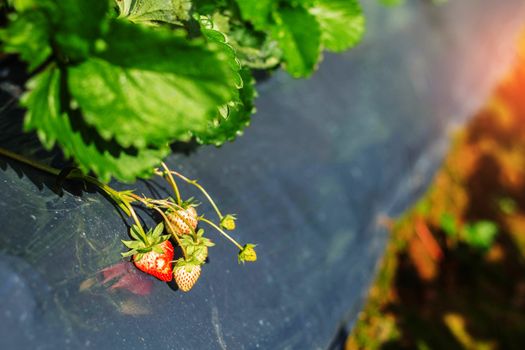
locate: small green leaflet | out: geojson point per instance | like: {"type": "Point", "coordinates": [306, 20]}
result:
{"type": "Point", "coordinates": [342, 23]}
{"type": "Point", "coordinates": [168, 11]}
{"type": "Point", "coordinates": [299, 37]}
{"type": "Point", "coordinates": [152, 89]}
{"type": "Point", "coordinates": [45, 115]}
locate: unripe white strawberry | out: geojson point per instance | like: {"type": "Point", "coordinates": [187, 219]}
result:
{"type": "Point", "coordinates": [183, 221]}
{"type": "Point", "coordinates": [186, 273]}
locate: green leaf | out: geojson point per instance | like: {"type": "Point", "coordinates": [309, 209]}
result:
{"type": "Point", "coordinates": [168, 11]}
{"type": "Point", "coordinates": [255, 52]}
{"type": "Point", "coordinates": [481, 234]}
{"type": "Point", "coordinates": [151, 86]}
{"type": "Point", "coordinates": [158, 230]}
{"type": "Point", "coordinates": [138, 256]}
{"type": "Point", "coordinates": [230, 122]}
{"type": "Point", "coordinates": [48, 117]}
{"type": "Point", "coordinates": [253, 49]}
{"type": "Point", "coordinates": [144, 249]}
{"type": "Point", "coordinates": [158, 249]}
{"type": "Point", "coordinates": [219, 39]}
{"type": "Point", "coordinates": [74, 27]}
{"type": "Point", "coordinates": [257, 11]}
{"type": "Point", "coordinates": [137, 235]}
{"type": "Point", "coordinates": [130, 253]}
{"type": "Point", "coordinates": [79, 26]}
{"type": "Point", "coordinates": [299, 37]}
{"type": "Point", "coordinates": [28, 36]}
{"type": "Point", "coordinates": [342, 23]}
{"type": "Point", "coordinates": [132, 244]}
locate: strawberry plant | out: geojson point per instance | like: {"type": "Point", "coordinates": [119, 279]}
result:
{"type": "Point", "coordinates": [113, 83]}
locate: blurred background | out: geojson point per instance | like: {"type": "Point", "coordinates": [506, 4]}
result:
{"type": "Point", "coordinates": [453, 276]}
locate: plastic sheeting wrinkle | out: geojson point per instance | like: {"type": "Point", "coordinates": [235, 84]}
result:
{"type": "Point", "coordinates": [217, 326]}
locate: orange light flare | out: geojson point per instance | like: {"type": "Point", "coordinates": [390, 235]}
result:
{"type": "Point", "coordinates": [498, 130]}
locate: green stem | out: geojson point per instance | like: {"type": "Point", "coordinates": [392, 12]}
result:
{"type": "Point", "coordinates": [222, 232]}
{"type": "Point", "coordinates": [135, 217]}
{"type": "Point", "coordinates": [54, 171]}
{"type": "Point", "coordinates": [30, 162]}
{"type": "Point", "coordinates": [171, 180]}
{"type": "Point", "coordinates": [172, 230]}
{"type": "Point", "coordinates": [196, 184]}
{"type": "Point", "coordinates": [145, 201]}
{"type": "Point", "coordinates": [111, 192]}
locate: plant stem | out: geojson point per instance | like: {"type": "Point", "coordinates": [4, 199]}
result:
{"type": "Point", "coordinates": [135, 217]}
{"type": "Point", "coordinates": [145, 201]}
{"type": "Point", "coordinates": [222, 232]}
{"type": "Point", "coordinates": [171, 180]}
{"type": "Point", "coordinates": [54, 171]}
{"type": "Point", "coordinates": [196, 184]}
{"type": "Point", "coordinates": [30, 162]}
{"type": "Point", "coordinates": [172, 231]}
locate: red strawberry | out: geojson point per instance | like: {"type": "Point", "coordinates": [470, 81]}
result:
{"type": "Point", "coordinates": [152, 252]}
{"type": "Point", "coordinates": [183, 221]}
{"type": "Point", "coordinates": [155, 264]}
{"type": "Point", "coordinates": [186, 273]}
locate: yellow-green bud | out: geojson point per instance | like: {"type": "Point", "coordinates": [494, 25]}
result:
{"type": "Point", "coordinates": [228, 222]}
{"type": "Point", "coordinates": [248, 253]}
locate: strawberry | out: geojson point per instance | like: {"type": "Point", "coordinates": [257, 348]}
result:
{"type": "Point", "coordinates": [186, 273]}
{"type": "Point", "coordinates": [196, 245]}
{"type": "Point", "coordinates": [152, 252]}
{"type": "Point", "coordinates": [247, 253]}
{"type": "Point", "coordinates": [155, 264]}
{"type": "Point", "coordinates": [183, 221]}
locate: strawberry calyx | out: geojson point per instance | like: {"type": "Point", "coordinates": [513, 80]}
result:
{"type": "Point", "coordinates": [186, 272]}
{"type": "Point", "coordinates": [187, 263]}
{"type": "Point", "coordinates": [188, 203]}
{"type": "Point", "coordinates": [196, 245]}
{"type": "Point", "coordinates": [144, 242]}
